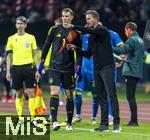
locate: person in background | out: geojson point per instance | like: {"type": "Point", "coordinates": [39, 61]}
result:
{"type": "Point", "coordinates": [7, 84]}
{"type": "Point", "coordinates": [86, 84]}
{"type": "Point", "coordinates": [133, 70]}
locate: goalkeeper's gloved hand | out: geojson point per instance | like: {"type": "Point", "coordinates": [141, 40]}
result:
{"type": "Point", "coordinates": [41, 67]}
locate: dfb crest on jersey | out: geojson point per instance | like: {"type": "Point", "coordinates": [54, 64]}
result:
{"type": "Point", "coordinates": [146, 37]}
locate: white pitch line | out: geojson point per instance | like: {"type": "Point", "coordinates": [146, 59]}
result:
{"type": "Point", "coordinates": [85, 129]}
{"type": "Point", "coordinates": [124, 133]}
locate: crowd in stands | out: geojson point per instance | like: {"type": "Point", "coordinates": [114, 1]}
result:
{"type": "Point", "coordinates": [110, 10]}
{"type": "Point", "coordinates": [34, 10]}
{"type": "Point", "coordinates": [116, 12]}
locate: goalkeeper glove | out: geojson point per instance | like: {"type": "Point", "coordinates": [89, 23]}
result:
{"type": "Point", "coordinates": [40, 67]}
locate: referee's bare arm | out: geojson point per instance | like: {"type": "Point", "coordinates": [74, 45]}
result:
{"type": "Point", "coordinates": [8, 64]}
{"type": "Point", "coordinates": [36, 56]}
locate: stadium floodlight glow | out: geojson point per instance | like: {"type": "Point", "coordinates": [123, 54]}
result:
{"type": "Point", "coordinates": [15, 129]}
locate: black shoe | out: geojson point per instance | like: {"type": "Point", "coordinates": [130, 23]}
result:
{"type": "Point", "coordinates": [116, 128]}
{"type": "Point", "coordinates": [101, 128]}
{"type": "Point", "coordinates": [132, 124]}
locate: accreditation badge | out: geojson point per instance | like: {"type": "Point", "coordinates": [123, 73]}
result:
{"type": "Point", "coordinates": [27, 45]}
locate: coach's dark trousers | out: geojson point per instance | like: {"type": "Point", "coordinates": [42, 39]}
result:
{"type": "Point", "coordinates": [105, 85]}
{"type": "Point", "coordinates": [131, 83]}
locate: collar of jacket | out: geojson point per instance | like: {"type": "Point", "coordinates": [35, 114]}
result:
{"type": "Point", "coordinates": [134, 33]}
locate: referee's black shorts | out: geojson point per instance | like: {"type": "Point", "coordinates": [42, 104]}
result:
{"type": "Point", "coordinates": [23, 75]}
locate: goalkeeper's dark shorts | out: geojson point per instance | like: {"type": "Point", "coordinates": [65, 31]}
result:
{"type": "Point", "coordinates": [23, 75]}
{"type": "Point", "coordinates": [64, 79]}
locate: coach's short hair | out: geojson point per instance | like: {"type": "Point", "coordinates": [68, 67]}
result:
{"type": "Point", "coordinates": [93, 13]}
{"type": "Point", "coordinates": [131, 25]}
{"type": "Point", "coordinates": [68, 10]}
{"type": "Point", "coordinates": [22, 18]}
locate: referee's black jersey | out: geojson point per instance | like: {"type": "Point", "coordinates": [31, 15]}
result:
{"type": "Point", "coordinates": [61, 58]}
{"type": "Point", "coordinates": [99, 46]}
